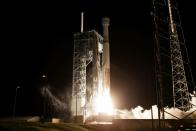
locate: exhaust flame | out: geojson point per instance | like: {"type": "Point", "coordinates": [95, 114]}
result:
{"type": "Point", "coordinates": [104, 103]}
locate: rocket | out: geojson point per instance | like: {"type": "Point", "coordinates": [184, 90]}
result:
{"type": "Point", "coordinates": [106, 53]}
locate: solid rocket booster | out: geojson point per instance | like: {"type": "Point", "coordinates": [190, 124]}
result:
{"type": "Point", "coordinates": [106, 53]}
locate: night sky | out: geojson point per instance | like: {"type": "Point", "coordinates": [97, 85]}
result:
{"type": "Point", "coordinates": [37, 39]}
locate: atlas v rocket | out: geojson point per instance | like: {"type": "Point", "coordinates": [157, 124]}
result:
{"type": "Point", "coordinates": [91, 69]}
{"type": "Point", "coordinates": [106, 53]}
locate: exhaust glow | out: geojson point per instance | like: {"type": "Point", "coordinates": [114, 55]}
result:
{"type": "Point", "coordinates": [104, 103]}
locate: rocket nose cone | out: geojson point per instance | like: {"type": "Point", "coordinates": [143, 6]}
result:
{"type": "Point", "coordinates": [105, 21]}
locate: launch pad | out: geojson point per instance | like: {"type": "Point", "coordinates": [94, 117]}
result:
{"type": "Point", "coordinates": [91, 68]}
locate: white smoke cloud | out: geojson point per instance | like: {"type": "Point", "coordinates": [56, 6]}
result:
{"type": "Point", "coordinates": [140, 113]}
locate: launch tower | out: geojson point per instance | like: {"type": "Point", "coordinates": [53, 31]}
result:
{"type": "Point", "coordinates": [86, 71]}
{"type": "Point", "coordinates": [173, 69]}
{"type": "Point", "coordinates": [91, 71]}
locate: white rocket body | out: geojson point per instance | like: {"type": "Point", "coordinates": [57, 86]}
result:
{"type": "Point", "coordinates": [106, 54]}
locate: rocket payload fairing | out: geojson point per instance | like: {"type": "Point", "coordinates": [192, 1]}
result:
{"type": "Point", "coordinates": [106, 53]}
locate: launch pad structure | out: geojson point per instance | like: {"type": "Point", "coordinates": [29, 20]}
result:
{"type": "Point", "coordinates": [86, 62]}
{"type": "Point", "coordinates": [90, 71]}
{"type": "Point", "coordinates": [171, 49]}
{"type": "Point", "coordinates": [174, 80]}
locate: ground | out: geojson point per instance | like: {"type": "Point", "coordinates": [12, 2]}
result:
{"type": "Point", "coordinates": [21, 125]}
{"type": "Point", "coordinates": [125, 125]}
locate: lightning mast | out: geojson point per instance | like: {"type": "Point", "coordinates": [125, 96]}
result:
{"type": "Point", "coordinates": [173, 71]}
{"type": "Point", "coordinates": [181, 96]}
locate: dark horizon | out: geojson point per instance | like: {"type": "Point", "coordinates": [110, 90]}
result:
{"type": "Point", "coordinates": [38, 39]}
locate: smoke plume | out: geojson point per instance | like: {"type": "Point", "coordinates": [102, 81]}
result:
{"type": "Point", "coordinates": [170, 113]}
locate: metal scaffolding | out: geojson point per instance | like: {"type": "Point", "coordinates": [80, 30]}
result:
{"type": "Point", "coordinates": [181, 95]}
{"type": "Point", "coordinates": [86, 65]}
{"type": "Point", "coordinates": [172, 62]}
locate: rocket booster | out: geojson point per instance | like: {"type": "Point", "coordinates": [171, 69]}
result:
{"type": "Point", "coordinates": [106, 54]}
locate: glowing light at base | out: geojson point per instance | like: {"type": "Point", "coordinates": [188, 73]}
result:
{"type": "Point", "coordinates": [104, 103]}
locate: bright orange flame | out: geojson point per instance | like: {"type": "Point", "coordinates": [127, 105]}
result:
{"type": "Point", "coordinates": [104, 103]}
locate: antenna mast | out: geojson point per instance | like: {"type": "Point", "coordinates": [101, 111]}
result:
{"type": "Point", "coordinates": [82, 20]}
{"type": "Point", "coordinates": [180, 88]}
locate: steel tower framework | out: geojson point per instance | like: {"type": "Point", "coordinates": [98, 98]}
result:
{"type": "Point", "coordinates": [170, 46]}
{"type": "Point", "coordinates": [86, 65]}
{"type": "Point", "coordinates": [181, 97]}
